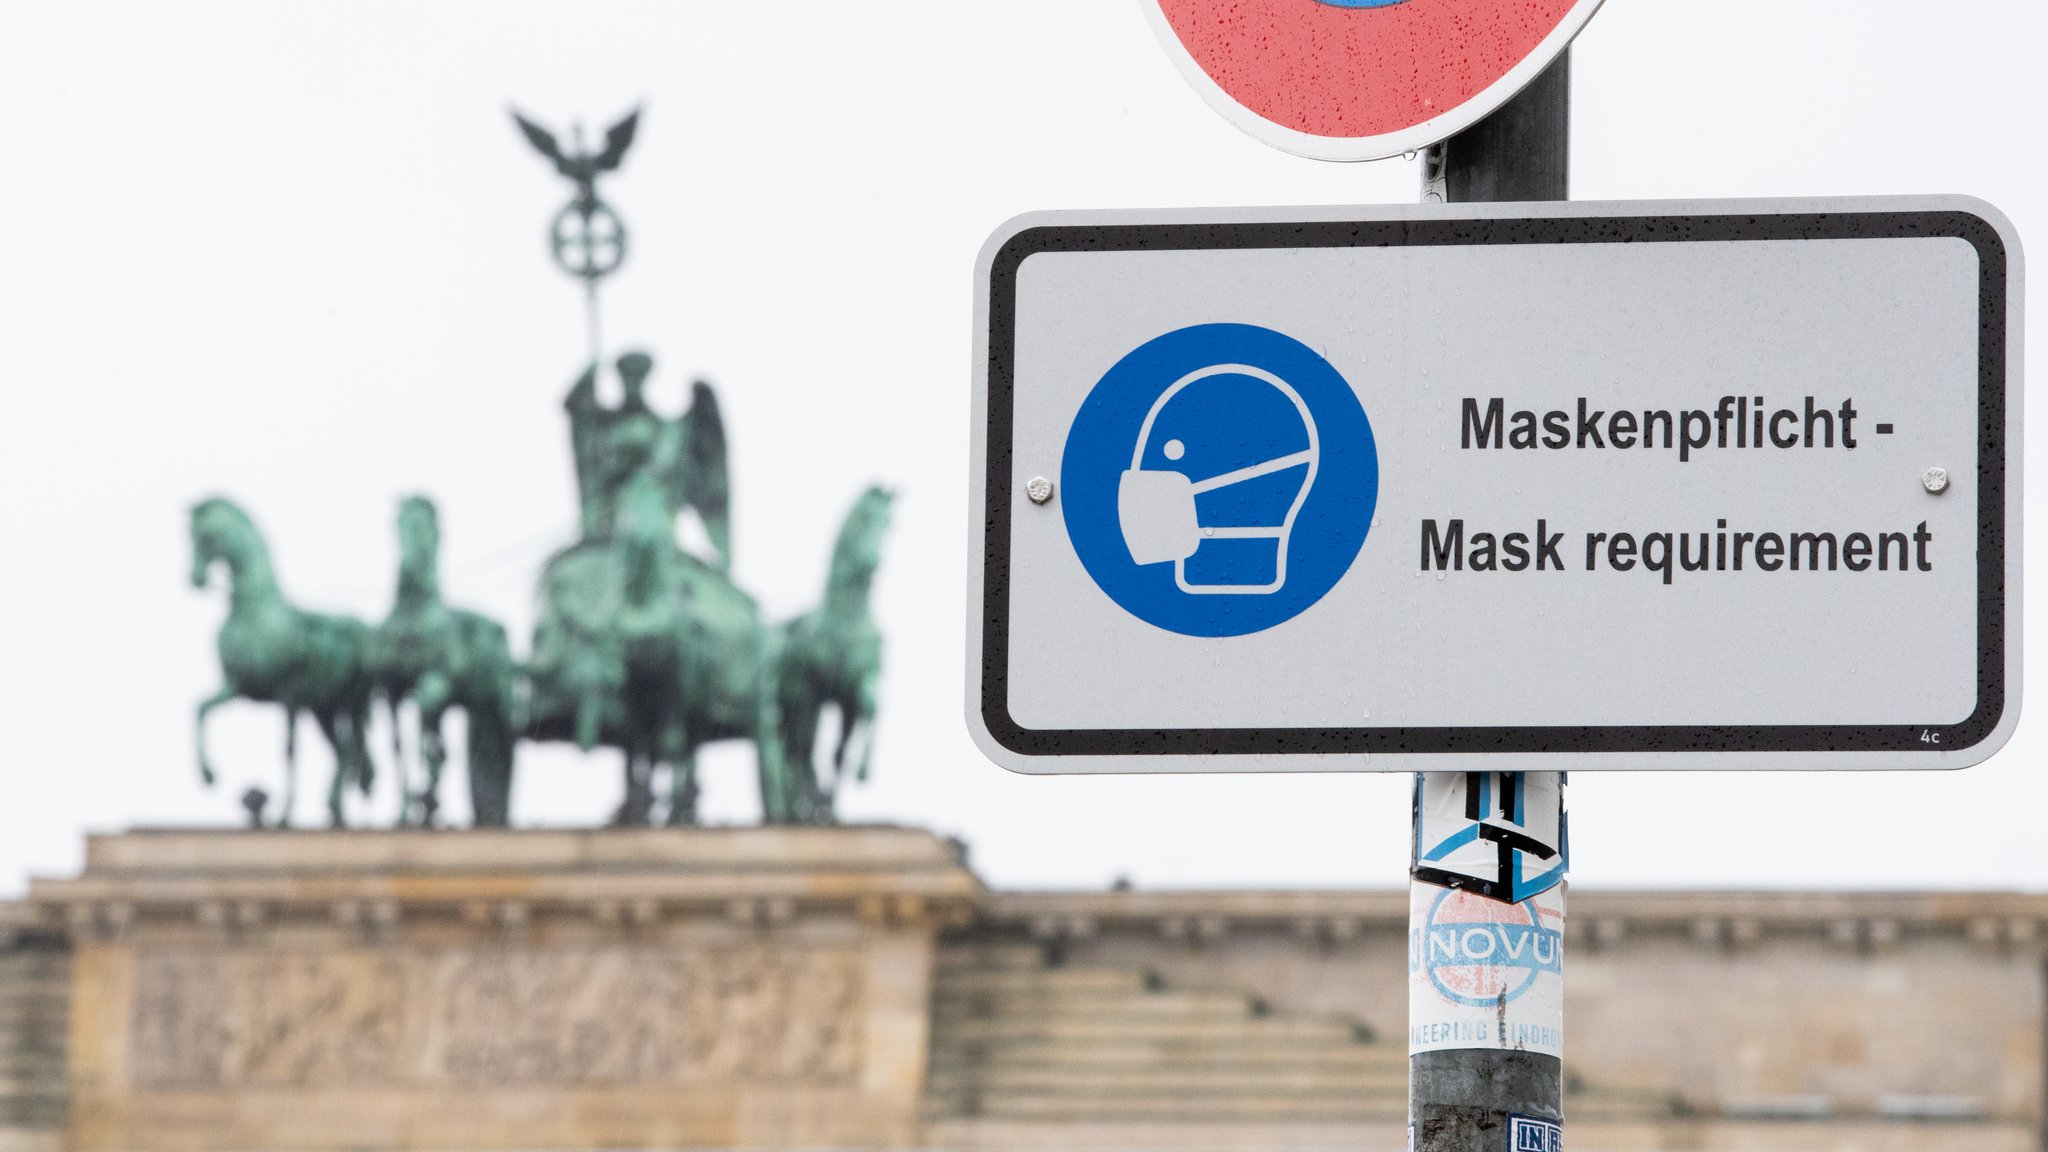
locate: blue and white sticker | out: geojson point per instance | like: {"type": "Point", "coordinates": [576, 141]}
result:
{"type": "Point", "coordinates": [1529, 1134]}
{"type": "Point", "coordinates": [1499, 834]}
{"type": "Point", "coordinates": [1485, 974]}
{"type": "Point", "coordinates": [1219, 480]}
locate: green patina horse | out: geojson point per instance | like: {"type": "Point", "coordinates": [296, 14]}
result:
{"type": "Point", "coordinates": [274, 653]}
{"type": "Point", "coordinates": [442, 658]}
{"type": "Point", "coordinates": [833, 656]}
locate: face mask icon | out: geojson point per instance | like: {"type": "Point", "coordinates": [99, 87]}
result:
{"type": "Point", "coordinates": [1224, 460]}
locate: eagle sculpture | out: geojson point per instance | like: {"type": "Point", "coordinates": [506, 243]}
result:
{"type": "Point", "coordinates": [581, 166]}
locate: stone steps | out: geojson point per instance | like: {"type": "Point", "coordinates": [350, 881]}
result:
{"type": "Point", "coordinates": [29, 1011]}
{"type": "Point", "coordinates": [1019, 1046]}
{"type": "Point", "coordinates": [1618, 1104]}
{"type": "Point", "coordinates": [1003, 1093]}
{"type": "Point", "coordinates": [1176, 1108]}
{"type": "Point", "coordinates": [1274, 1032]}
{"type": "Point", "coordinates": [1110, 1057]}
{"type": "Point", "coordinates": [1094, 1080]}
{"type": "Point", "coordinates": [1065, 1106]}
{"type": "Point", "coordinates": [1043, 981]}
{"type": "Point", "coordinates": [1184, 1006]}
{"type": "Point", "coordinates": [1016, 1041]}
{"type": "Point", "coordinates": [35, 1006]}
{"type": "Point", "coordinates": [1378, 1134]}
{"type": "Point", "coordinates": [958, 961]}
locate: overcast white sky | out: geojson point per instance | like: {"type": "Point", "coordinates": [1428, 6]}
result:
{"type": "Point", "coordinates": [294, 255]}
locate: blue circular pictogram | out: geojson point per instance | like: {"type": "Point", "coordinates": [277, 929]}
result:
{"type": "Point", "coordinates": [1219, 480]}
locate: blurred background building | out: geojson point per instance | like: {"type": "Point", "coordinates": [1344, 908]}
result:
{"type": "Point", "coordinates": [860, 987]}
{"type": "Point", "coordinates": [289, 253]}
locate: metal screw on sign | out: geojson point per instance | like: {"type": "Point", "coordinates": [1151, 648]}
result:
{"type": "Point", "coordinates": [587, 238]}
{"type": "Point", "coordinates": [1935, 480]}
{"type": "Point", "coordinates": [1039, 489]}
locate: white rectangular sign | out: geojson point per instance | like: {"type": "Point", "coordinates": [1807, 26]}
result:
{"type": "Point", "coordinates": [1721, 484]}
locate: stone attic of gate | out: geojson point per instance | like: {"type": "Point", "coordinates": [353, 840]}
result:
{"type": "Point", "coordinates": [861, 987]}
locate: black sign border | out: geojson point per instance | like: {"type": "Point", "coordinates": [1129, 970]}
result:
{"type": "Point", "coordinates": [1992, 264]}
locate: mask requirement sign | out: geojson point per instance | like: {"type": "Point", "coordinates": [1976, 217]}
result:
{"type": "Point", "coordinates": [1720, 484]}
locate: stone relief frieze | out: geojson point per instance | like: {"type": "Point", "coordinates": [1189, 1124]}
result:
{"type": "Point", "coordinates": [480, 1018]}
{"type": "Point", "coordinates": [181, 1032]}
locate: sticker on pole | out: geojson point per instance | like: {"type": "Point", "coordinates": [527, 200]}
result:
{"type": "Point", "coordinates": [1483, 974]}
{"type": "Point", "coordinates": [1529, 1134]}
{"type": "Point", "coordinates": [1499, 834]}
{"type": "Point", "coordinates": [1362, 79]}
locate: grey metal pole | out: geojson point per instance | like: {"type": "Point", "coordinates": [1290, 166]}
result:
{"type": "Point", "coordinates": [1522, 151]}
{"type": "Point", "coordinates": [1499, 1097]}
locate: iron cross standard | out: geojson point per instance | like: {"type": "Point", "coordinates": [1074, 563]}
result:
{"type": "Point", "coordinates": [587, 238]}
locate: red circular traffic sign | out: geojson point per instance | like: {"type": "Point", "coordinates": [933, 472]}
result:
{"type": "Point", "coordinates": [1362, 79]}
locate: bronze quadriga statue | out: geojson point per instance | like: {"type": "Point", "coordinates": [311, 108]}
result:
{"type": "Point", "coordinates": [640, 645]}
